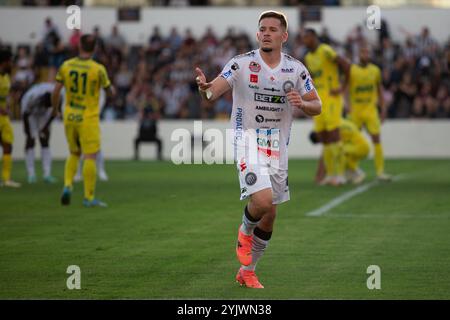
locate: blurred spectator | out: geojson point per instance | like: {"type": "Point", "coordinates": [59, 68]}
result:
{"type": "Point", "coordinates": [410, 50]}
{"type": "Point", "coordinates": [173, 95]}
{"type": "Point", "coordinates": [191, 105]}
{"type": "Point", "coordinates": [24, 75]}
{"type": "Point", "coordinates": [325, 37]}
{"type": "Point", "coordinates": [116, 41]}
{"type": "Point", "coordinates": [383, 32]}
{"type": "Point", "coordinates": [424, 105]}
{"type": "Point", "coordinates": [403, 97]}
{"type": "Point", "coordinates": [57, 54]}
{"type": "Point", "coordinates": [148, 131]}
{"type": "Point", "coordinates": [74, 41]}
{"type": "Point", "coordinates": [174, 40]}
{"type": "Point", "coordinates": [388, 53]}
{"type": "Point", "coordinates": [155, 40]}
{"type": "Point", "coordinates": [98, 35]}
{"type": "Point", "coordinates": [223, 106]}
{"type": "Point", "coordinates": [425, 42]}
{"type": "Point", "coordinates": [123, 79]}
{"type": "Point", "coordinates": [49, 32]}
{"type": "Point", "coordinates": [443, 101]}
{"type": "Point", "coordinates": [209, 37]}
{"type": "Point", "coordinates": [355, 40]}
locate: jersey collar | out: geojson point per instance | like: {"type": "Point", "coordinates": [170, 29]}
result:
{"type": "Point", "coordinates": [273, 70]}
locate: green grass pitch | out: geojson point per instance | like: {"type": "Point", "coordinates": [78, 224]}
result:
{"type": "Point", "coordinates": [169, 233]}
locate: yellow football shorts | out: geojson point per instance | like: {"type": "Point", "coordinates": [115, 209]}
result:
{"type": "Point", "coordinates": [330, 118]}
{"type": "Point", "coordinates": [368, 118]}
{"type": "Point", "coordinates": [83, 137]}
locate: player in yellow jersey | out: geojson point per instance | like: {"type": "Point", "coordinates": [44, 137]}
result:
{"type": "Point", "coordinates": [6, 130]}
{"type": "Point", "coordinates": [82, 79]}
{"type": "Point", "coordinates": [355, 148]}
{"type": "Point", "coordinates": [365, 94]}
{"type": "Point", "coordinates": [324, 64]}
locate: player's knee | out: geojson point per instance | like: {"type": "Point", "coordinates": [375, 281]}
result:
{"type": "Point", "coordinates": [7, 148]}
{"type": "Point", "coordinates": [376, 138]}
{"type": "Point", "coordinates": [335, 135]}
{"type": "Point", "coordinates": [270, 215]}
{"type": "Point", "coordinates": [261, 205]}
{"type": "Point", "coordinates": [29, 144]}
{"type": "Point", "coordinates": [44, 142]}
{"type": "Point", "coordinates": [90, 156]}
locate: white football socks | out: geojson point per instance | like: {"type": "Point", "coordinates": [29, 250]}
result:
{"type": "Point", "coordinates": [258, 248]}
{"type": "Point", "coordinates": [46, 161]}
{"type": "Point", "coordinates": [29, 161]}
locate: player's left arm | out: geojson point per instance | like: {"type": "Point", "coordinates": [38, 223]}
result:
{"type": "Point", "coordinates": [344, 65]}
{"type": "Point", "coordinates": [110, 91]}
{"type": "Point", "coordinates": [44, 130]}
{"type": "Point", "coordinates": [309, 102]}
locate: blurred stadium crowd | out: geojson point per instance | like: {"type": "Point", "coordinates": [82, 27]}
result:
{"type": "Point", "coordinates": [158, 75]}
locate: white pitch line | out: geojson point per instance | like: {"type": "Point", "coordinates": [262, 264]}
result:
{"type": "Point", "coordinates": [344, 197]}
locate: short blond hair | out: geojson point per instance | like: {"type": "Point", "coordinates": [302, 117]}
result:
{"type": "Point", "coordinates": [275, 14]}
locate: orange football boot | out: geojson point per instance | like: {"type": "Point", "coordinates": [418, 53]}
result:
{"type": "Point", "coordinates": [244, 248]}
{"type": "Point", "coordinates": [249, 279]}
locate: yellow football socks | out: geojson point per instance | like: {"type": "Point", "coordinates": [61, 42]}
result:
{"type": "Point", "coordinates": [352, 163]}
{"type": "Point", "coordinates": [70, 170]}
{"type": "Point", "coordinates": [89, 177]}
{"type": "Point", "coordinates": [333, 158]}
{"type": "Point", "coordinates": [339, 158]}
{"type": "Point", "coordinates": [7, 166]}
{"type": "Point", "coordinates": [328, 159]}
{"type": "Point", "coordinates": [379, 158]}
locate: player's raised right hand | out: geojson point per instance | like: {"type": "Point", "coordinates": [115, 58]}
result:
{"type": "Point", "coordinates": [201, 80]}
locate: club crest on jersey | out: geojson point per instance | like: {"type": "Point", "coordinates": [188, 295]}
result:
{"type": "Point", "coordinates": [235, 66]}
{"type": "Point", "coordinates": [303, 75]}
{"type": "Point", "coordinates": [254, 66]}
{"type": "Point", "coordinates": [288, 86]}
{"type": "Point", "coordinates": [254, 78]}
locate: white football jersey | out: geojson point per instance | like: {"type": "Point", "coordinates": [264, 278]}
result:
{"type": "Point", "coordinates": [30, 100]}
{"type": "Point", "coordinates": [259, 100]}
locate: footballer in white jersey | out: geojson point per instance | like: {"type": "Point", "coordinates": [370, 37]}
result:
{"type": "Point", "coordinates": [36, 106]}
{"type": "Point", "coordinates": [261, 119]}
{"type": "Point", "coordinates": [36, 109]}
{"type": "Point", "coordinates": [267, 86]}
